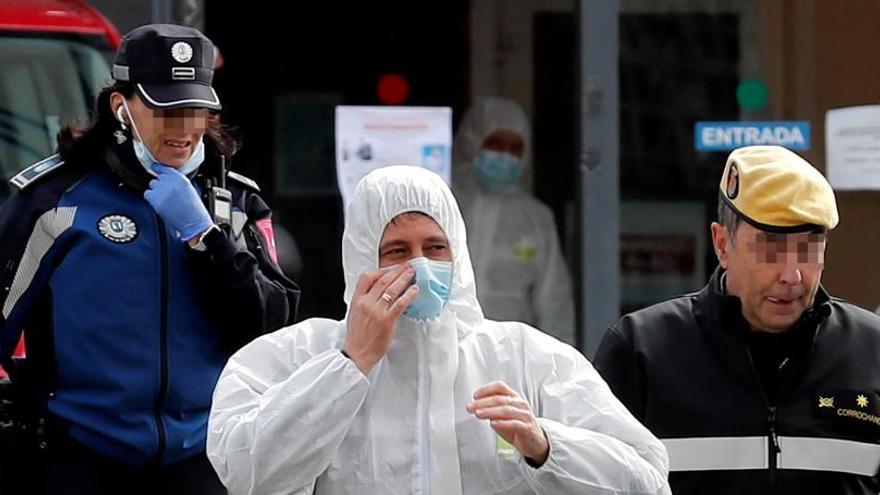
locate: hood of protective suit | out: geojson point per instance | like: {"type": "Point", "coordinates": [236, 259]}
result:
{"type": "Point", "coordinates": [486, 116]}
{"type": "Point", "coordinates": [293, 414]}
{"type": "Point", "coordinates": [387, 192]}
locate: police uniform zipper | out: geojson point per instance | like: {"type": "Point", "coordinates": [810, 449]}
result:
{"type": "Point", "coordinates": [163, 342]}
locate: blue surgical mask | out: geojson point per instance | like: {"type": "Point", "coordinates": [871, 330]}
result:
{"type": "Point", "coordinates": [147, 159]}
{"type": "Point", "coordinates": [434, 279]}
{"type": "Point", "coordinates": [497, 170]}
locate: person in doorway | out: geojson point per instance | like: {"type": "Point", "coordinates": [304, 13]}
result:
{"type": "Point", "coordinates": [521, 274]}
{"type": "Point", "coordinates": [414, 391]}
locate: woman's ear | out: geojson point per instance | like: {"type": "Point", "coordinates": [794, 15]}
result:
{"type": "Point", "coordinates": [117, 108]}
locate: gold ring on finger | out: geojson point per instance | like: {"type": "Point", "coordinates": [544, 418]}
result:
{"type": "Point", "coordinates": [387, 297]}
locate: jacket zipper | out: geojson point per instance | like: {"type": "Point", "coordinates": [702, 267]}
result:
{"type": "Point", "coordinates": [772, 439]}
{"type": "Point", "coordinates": [773, 446]}
{"type": "Point", "coordinates": [773, 443]}
{"type": "Point", "coordinates": [163, 342]}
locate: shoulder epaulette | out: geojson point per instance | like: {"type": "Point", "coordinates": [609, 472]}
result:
{"type": "Point", "coordinates": [34, 172]}
{"type": "Point", "coordinates": [242, 180]}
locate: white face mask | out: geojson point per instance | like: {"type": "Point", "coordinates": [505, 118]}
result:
{"type": "Point", "coordinates": [147, 159]}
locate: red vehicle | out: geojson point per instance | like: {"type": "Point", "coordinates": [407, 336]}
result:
{"type": "Point", "coordinates": [55, 57]}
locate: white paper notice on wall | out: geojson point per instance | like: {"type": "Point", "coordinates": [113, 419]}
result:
{"type": "Point", "coordinates": [370, 137]}
{"type": "Point", "coordinates": [852, 141]}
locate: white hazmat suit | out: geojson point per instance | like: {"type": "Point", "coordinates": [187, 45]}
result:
{"type": "Point", "coordinates": [292, 415]}
{"type": "Point", "coordinates": [521, 274]}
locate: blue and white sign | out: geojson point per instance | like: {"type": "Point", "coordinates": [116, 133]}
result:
{"type": "Point", "coordinates": [723, 136]}
{"type": "Point", "coordinates": [371, 137]}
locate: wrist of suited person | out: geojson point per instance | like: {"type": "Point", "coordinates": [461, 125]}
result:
{"type": "Point", "coordinates": [541, 458]}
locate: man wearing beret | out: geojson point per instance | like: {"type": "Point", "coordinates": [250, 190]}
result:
{"type": "Point", "coordinates": [761, 383]}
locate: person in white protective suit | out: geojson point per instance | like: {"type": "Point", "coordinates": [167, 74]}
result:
{"type": "Point", "coordinates": [415, 392]}
{"type": "Point", "coordinates": [521, 274]}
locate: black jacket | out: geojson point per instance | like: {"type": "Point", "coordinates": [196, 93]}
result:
{"type": "Point", "coordinates": [685, 369]}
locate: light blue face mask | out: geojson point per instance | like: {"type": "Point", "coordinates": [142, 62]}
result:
{"type": "Point", "coordinates": [147, 159]}
{"type": "Point", "coordinates": [497, 170]}
{"type": "Point", "coordinates": [434, 279]}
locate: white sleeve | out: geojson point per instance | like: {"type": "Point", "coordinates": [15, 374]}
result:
{"type": "Point", "coordinates": [274, 427]}
{"type": "Point", "coordinates": [596, 445]}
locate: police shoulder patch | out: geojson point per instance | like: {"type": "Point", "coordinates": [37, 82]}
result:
{"type": "Point", "coordinates": [34, 172]}
{"type": "Point", "coordinates": [244, 181]}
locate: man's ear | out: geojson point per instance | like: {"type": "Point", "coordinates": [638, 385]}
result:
{"type": "Point", "coordinates": [721, 243]}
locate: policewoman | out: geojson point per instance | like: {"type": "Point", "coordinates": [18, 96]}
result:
{"type": "Point", "coordinates": [761, 383]}
{"type": "Point", "coordinates": [135, 264]}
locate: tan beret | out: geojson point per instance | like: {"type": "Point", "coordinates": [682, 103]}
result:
{"type": "Point", "coordinates": [776, 190]}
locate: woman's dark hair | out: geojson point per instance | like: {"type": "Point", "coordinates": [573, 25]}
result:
{"type": "Point", "coordinates": [78, 141]}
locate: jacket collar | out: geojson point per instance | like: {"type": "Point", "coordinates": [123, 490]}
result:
{"type": "Point", "coordinates": [716, 309]}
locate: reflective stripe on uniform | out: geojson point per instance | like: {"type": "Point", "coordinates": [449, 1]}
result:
{"type": "Point", "coordinates": [829, 454]}
{"type": "Point", "coordinates": [48, 227]}
{"type": "Point", "coordinates": [716, 453]}
{"type": "Point", "coordinates": [805, 453]}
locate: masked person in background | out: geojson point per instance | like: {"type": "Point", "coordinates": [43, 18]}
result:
{"type": "Point", "coordinates": [415, 391]}
{"type": "Point", "coordinates": [136, 265]}
{"type": "Point", "coordinates": [521, 274]}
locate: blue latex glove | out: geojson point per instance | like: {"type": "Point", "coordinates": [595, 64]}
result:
{"type": "Point", "coordinates": [175, 199]}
